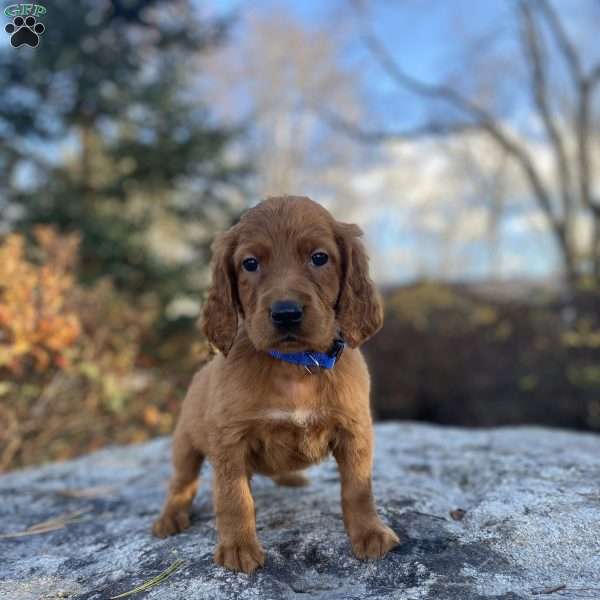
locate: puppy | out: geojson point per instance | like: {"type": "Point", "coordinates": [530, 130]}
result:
{"type": "Point", "coordinates": [290, 303]}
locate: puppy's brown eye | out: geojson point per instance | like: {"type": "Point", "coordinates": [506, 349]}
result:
{"type": "Point", "coordinates": [250, 264]}
{"type": "Point", "coordinates": [319, 259]}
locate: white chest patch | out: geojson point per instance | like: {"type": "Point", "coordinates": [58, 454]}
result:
{"type": "Point", "coordinates": [299, 416]}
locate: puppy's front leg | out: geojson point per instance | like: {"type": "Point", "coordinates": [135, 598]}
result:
{"type": "Point", "coordinates": [238, 548]}
{"type": "Point", "coordinates": [369, 536]}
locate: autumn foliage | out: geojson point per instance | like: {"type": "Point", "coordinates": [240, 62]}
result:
{"type": "Point", "coordinates": [80, 367]}
{"type": "Point", "coordinates": [38, 328]}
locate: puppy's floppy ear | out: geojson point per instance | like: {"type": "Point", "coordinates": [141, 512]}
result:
{"type": "Point", "coordinates": [220, 317]}
{"type": "Point", "coordinates": [359, 308]}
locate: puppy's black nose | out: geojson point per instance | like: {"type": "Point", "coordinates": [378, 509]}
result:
{"type": "Point", "coordinates": [286, 314]}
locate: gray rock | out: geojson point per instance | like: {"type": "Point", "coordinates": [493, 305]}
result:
{"type": "Point", "coordinates": [532, 524]}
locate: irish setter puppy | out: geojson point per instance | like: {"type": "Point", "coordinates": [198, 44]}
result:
{"type": "Point", "coordinates": [290, 290]}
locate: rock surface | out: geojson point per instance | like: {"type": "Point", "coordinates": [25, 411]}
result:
{"type": "Point", "coordinates": [531, 526]}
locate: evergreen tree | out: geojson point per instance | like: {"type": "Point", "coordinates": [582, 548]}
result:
{"type": "Point", "coordinates": [104, 132]}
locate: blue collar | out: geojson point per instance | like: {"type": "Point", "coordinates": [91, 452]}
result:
{"type": "Point", "coordinates": [324, 360]}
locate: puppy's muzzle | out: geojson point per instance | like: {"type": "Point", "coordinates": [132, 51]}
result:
{"type": "Point", "coordinates": [286, 314]}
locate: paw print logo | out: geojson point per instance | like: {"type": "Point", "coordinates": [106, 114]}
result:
{"type": "Point", "coordinates": [25, 31]}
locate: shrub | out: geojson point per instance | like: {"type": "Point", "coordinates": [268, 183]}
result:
{"type": "Point", "coordinates": [37, 327]}
{"type": "Point", "coordinates": [455, 355]}
{"type": "Point", "coordinates": [78, 366]}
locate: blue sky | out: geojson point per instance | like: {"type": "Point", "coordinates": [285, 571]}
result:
{"type": "Point", "coordinates": [421, 32]}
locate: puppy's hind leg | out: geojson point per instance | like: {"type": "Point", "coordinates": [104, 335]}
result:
{"type": "Point", "coordinates": [292, 479]}
{"type": "Point", "coordinates": [187, 461]}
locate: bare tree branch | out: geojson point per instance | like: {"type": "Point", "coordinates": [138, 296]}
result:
{"type": "Point", "coordinates": [566, 46]}
{"type": "Point", "coordinates": [540, 21]}
{"type": "Point", "coordinates": [370, 136]}
{"type": "Point", "coordinates": [536, 61]}
{"type": "Point", "coordinates": [486, 121]}
{"type": "Point", "coordinates": [596, 244]}
{"type": "Point", "coordinates": [594, 77]}
{"type": "Point", "coordinates": [584, 87]}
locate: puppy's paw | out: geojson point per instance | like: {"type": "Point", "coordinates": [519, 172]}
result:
{"type": "Point", "coordinates": [375, 542]}
{"type": "Point", "coordinates": [245, 557]}
{"type": "Point", "coordinates": [294, 479]}
{"type": "Point", "coordinates": [171, 523]}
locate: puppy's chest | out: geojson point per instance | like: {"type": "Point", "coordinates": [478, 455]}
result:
{"type": "Point", "coordinates": [291, 432]}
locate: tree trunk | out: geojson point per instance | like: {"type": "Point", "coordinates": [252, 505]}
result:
{"type": "Point", "coordinates": [595, 253]}
{"type": "Point", "coordinates": [86, 136]}
{"type": "Point", "coordinates": [568, 257]}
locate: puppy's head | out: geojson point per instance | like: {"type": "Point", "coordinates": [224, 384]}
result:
{"type": "Point", "coordinates": [296, 276]}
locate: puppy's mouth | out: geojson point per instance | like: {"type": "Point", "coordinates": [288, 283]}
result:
{"type": "Point", "coordinates": [290, 342]}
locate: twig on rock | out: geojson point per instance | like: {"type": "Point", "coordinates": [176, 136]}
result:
{"type": "Point", "coordinates": [549, 590]}
{"type": "Point", "coordinates": [152, 582]}
{"type": "Point", "coordinates": [49, 525]}
{"type": "Point", "coordinates": [90, 492]}
{"type": "Point", "coordinates": [425, 514]}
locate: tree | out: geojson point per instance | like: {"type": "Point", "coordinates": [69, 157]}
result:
{"type": "Point", "coordinates": [564, 106]}
{"type": "Point", "coordinates": [104, 133]}
{"type": "Point", "coordinates": [276, 79]}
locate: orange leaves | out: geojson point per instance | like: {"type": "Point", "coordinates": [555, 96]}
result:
{"type": "Point", "coordinates": [80, 366]}
{"type": "Point", "coordinates": [37, 324]}
{"type": "Point", "coordinates": [155, 418]}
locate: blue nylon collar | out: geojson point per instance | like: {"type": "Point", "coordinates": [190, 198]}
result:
{"type": "Point", "coordinates": [323, 360]}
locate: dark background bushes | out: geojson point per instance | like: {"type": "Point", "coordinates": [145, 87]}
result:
{"type": "Point", "coordinates": [456, 355]}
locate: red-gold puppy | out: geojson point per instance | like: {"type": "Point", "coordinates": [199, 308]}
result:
{"type": "Point", "coordinates": [290, 289]}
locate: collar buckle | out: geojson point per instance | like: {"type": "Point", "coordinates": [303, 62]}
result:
{"type": "Point", "coordinates": [337, 349]}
